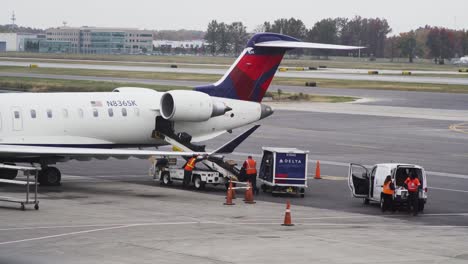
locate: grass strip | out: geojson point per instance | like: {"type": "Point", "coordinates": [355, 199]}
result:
{"type": "Point", "coordinates": [55, 85]}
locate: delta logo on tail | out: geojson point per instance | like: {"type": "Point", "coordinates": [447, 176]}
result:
{"type": "Point", "coordinates": [250, 76]}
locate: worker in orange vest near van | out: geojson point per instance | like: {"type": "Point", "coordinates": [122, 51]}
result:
{"type": "Point", "coordinates": [413, 185]}
{"type": "Point", "coordinates": [250, 167]}
{"type": "Point", "coordinates": [188, 168]}
{"type": "Point", "coordinates": [387, 194]}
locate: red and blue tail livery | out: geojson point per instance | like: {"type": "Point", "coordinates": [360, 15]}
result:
{"type": "Point", "coordinates": [251, 74]}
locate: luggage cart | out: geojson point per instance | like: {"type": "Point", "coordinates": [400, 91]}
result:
{"type": "Point", "coordinates": [284, 170]}
{"type": "Point", "coordinates": [27, 171]}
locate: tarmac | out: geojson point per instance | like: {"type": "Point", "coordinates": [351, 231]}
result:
{"type": "Point", "coordinates": [113, 212]}
{"type": "Point", "coordinates": [325, 74]}
{"type": "Point", "coordinates": [108, 221]}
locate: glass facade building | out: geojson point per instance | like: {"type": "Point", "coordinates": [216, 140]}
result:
{"type": "Point", "coordinates": [90, 40]}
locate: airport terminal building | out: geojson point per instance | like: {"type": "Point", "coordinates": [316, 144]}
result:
{"type": "Point", "coordinates": [95, 40]}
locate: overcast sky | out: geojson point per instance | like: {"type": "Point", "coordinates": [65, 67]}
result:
{"type": "Point", "coordinates": [402, 15]}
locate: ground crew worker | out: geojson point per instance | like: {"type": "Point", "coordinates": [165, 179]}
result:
{"type": "Point", "coordinates": [188, 168]}
{"type": "Point", "coordinates": [387, 194]}
{"type": "Point", "coordinates": [250, 167]}
{"type": "Point", "coordinates": [413, 185]}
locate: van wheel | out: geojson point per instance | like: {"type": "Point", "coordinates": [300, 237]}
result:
{"type": "Point", "coordinates": [198, 183]}
{"type": "Point", "coordinates": [421, 206]}
{"type": "Point", "coordinates": [366, 201]}
{"type": "Point", "coordinates": [166, 178]}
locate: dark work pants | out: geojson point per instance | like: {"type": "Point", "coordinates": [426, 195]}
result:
{"type": "Point", "coordinates": [413, 202]}
{"type": "Point", "coordinates": [187, 176]}
{"type": "Point", "coordinates": [253, 179]}
{"type": "Point", "coordinates": [388, 202]}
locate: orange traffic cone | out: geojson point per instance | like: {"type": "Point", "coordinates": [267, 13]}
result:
{"type": "Point", "coordinates": [229, 195]}
{"type": "Point", "coordinates": [317, 171]}
{"type": "Point", "coordinates": [249, 199]}
{"type": "Point", "coordinates": [287, 215]}
{"type": "Point", "coordinates": [233, 191]}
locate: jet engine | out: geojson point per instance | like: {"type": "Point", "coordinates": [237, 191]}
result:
{"type": "Point", "coordinates": [190, 106]}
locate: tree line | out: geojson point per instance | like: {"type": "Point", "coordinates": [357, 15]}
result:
{"type": "Point", "coordinates": [373, 33]}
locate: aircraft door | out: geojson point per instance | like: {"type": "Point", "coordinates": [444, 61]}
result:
{"type": "Point", "coordinates": [358, 180]}
{"type": "Point", "coordinates": [17, 118]}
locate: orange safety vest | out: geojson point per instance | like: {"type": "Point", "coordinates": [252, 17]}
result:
{"type": "Point", "coordinates": [387, 189]}
{"type": "Point", "coordinates": [190, 164]}
{"type": "Point", "coordinates": [250, 166]}
{"type": "Point", "coordinates": [412, 184]}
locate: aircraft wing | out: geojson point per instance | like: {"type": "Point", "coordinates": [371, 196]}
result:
{"type": "Point", "coordinates": [32, 152]}
{"type": "Point", "coordinates": [80, 153]}
{"type": "Point", "coordinates": [305, 45]}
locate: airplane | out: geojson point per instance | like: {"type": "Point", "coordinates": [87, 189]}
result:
{"type": "Point", "coordinates": [46, 128]}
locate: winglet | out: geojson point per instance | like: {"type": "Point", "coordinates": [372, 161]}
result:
{"type": "Point", "coordinates": [230, 146]}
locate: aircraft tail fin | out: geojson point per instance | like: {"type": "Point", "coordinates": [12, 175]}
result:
{"type": "Point", "coordinates": [251, 74]}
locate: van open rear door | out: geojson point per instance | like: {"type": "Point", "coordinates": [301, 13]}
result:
{"type": "Point", "coordinates": [358, 180]}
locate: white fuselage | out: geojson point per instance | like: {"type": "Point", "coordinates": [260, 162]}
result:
{"type": "Point", "coordinates": [125, 118]}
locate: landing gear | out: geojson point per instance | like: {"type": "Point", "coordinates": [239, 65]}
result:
{"type": "Point", "coordinates": [49, 176]}
{"type": "Point", "coordinates": [8, 174]}
{"type": "Point", "coordinates": [166, 178]}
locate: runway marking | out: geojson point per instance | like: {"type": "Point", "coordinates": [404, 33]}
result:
{"type": "Point", "coordinates": [461, 128]}
{"type": "Point", "coordinates": [358, 146]}
{"type": "Point", "coordinates": [451, 190]}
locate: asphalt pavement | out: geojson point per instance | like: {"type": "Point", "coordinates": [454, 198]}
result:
{"type": "Point", "coordinates": [376, 97]}
{"type": "Point", "coordinates": [300, 74]}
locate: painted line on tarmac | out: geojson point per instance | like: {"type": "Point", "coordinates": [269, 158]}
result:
{"type": "Point", "coordinates": [209, 222]}
{"type": "Point", "coordinates": [450, 190]}
{"type": "Point", "coordinates": [57, 227]}
{"type": "Point", "coordinates": [343, 164]}
{"type": "Point", "coordinates": [461, 128]}
{"type": "Point", "coordinates": [93, 231]}
{"type": "Point", "coordinates": [330, 178]}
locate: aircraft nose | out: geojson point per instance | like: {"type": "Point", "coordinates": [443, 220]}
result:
{"type": "Point", "coordinates": [266, 111]}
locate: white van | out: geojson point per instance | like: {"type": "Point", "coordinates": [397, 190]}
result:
{"type": "Point", "coordinates": [368, 184]}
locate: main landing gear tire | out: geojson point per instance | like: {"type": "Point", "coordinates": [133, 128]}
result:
{"type": "Point", "coordinates": [50, 176]}
{"type": "Point", "coordinates": [166, 178]}
{"type": "Point", "coordinates": [8, 174]}
{"type": "Point", "coordinates": [198, 183]}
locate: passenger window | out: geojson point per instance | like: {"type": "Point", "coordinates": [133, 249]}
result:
{"type": "Point", "coordinates": [137, 112]}
{"type": "Point", "coordinates": [124, 112]}
{"type": "Point", "coordinates": [95, 112]}
{"type": "Point", "coordinates": [65, 113]}
{"type": "Point", "coordinates": [33, 113]}
{"type": "Point", "coordinates": [80, 113]}
{"type": "Point", "coordinates": [17, 114]}
{"type": "Point", "coordinates": [49, 113]}
{"type": "Point", "coordinates": [111, 112]}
